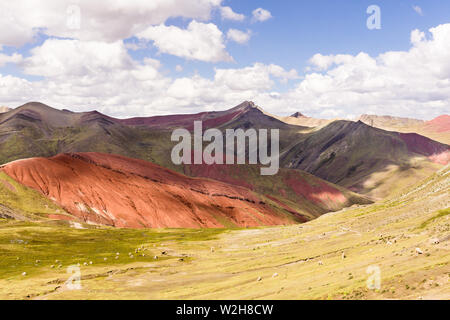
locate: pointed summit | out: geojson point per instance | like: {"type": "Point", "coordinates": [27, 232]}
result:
{"type": "Point", "coordinates": [298, 115]}
{"type": "Point", "coordinates": [246, 106]}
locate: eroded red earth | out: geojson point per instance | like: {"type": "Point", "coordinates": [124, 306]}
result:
{"type": "Point", "coordinates": [436, 152]}
{"type": "Point", "coordinates": [123, 192]}
{"type": "Point", "coordinates": [439, 124]}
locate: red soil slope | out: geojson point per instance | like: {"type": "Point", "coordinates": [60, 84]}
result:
{"type": "Point", "coordinates": [309, 193]}
{"type": "Point", "coordinates": [436, 152]}
{"type": "Point", "coordinates": [439, 124]}
{"type": "Point", "coordinates": [122, 192]}
{"type": "Point", "coordinates": [209, 119]}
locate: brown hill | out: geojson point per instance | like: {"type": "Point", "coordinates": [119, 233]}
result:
{"type": "Point", "coordinates": [389, 121]}
{"type": "Point", "coordinates": [437, 129]}
{"type": "Point", "coordinates": [210, 119]}
{"type": "Point", "coordinates": [365, 159]}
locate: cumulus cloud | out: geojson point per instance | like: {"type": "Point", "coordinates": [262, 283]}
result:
{"type": "Point", "coordinates": [14, 90]}
{"type": "Point", "coordinates": [275, 95]}
{"type": "Point", "coordinates": [77, 75]}
{"type": "Point", "coordinates": [66, 58]}
{"type": "Point", "coordinates": [200, 41]}
{"type": "Point", "coordinates": [239, 36]}
{"type": "Point", "coordinates": [14, 58]}
{"type": "Point", "coordinates": [228, 14]}
{"type": "Point", "coordinates": [411, 83]}
{"type": "Point", "coordinates": [321, 62]}
{"type": "Point", "coordinates": [281, 73]}
{"type": "Point", "coordinates": [261, 15]}
{"type": "Point", "coordinates": [229, 87]}
{"type": "Point", "coordinates": [256, 77]}
{"type": "Point", "coordinates": [417, 36]}
{"type": "Point", "coordinates": [21, 20]}
{"type": "Point", "coordinates": [88, 74]}
{"type": "Point", "coordinates": [83, 75]}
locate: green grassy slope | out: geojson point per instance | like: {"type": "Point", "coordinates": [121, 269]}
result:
{"type": "Point", "coordinates": [20, 202]}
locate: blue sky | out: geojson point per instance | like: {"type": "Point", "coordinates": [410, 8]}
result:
{"type": "Point", "coordinates": [295, 32]}
{"type": "Point", "coordinates": [299, 29]}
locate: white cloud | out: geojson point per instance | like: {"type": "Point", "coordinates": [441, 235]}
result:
{"type": "Point", "coordinates": [20, 20]}
{"type": "Point", "coordinates": [261, 15]}
{"type": "Point", "coordinates": [229, 87]}
{"type": "Point", "coordinates": [14, 58]}
{"type": "Point", "coordinates": [282, 74]}
{"type": "Point", "coordinates": [200, 41]}
{"type": "Point", "coordinates": [321, 62]}
{"type": "Point", "coordinates": [239, 36]}
{"type": "Point", "coordinates": [413, 83]}
{"type": "Point", "coordinates": [83, 75]}
{"type": "Point", "coordinates": [88, 74]}
{"type": "Point", "coordinates": [14, 90]}
{"type": "Point", "coordinates": [136, 45]}
{"type": "Point", "coordinates": [65, 58]}
{"type": "Point", "coordinates": [275, 95]}
{"type": "Point", "coordinates": [249, 78]}
{"type": "Point", "coordinates": [228, 14]}
{"type": "Point", "coordinates": [417, 37]}
{"type": "Point", "coordinates": [178, 68]}
{"type": "Point", "coordinates": [77, 76]}
{"type": "Point", "coordinates": [418, 10]}
{"type": "Point", "coordinates": [257, 77]}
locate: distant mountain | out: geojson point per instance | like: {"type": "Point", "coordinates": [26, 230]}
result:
{"type": "Point", "coordinates": [123, 192]}
{"type": "Point", "coordinates": [35, 129]}
{"type": "Point", "coordinates": [437, 129]}
{"type": "Point", "coordinates": [365, 159]}
{"type": "Point", "coordinates": [299, 119]}
{"type": "Point", "coordinates": [440, 124]}
{"type": "Point", "coordinates": [389, 121]}
{"type": "Point", "coordinates": [39, 113]}
{"type": "Point", "coordinates": [211, 119]}
{"type": "Point", "coordinates": [298, 115]}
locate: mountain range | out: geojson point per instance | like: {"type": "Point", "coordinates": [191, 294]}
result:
{"type": "Point", "coordinates": [80, 160]}
{"type": "Point", "coordinates": [437, 129]}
